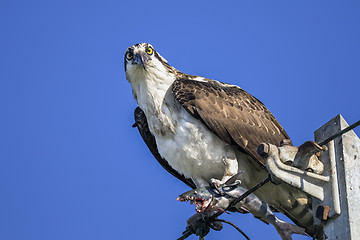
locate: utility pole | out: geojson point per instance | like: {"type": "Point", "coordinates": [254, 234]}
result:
{"type": "Point", "coordinates": [328, 170]}
{"type": "Point", "coordinates": [344, 151]}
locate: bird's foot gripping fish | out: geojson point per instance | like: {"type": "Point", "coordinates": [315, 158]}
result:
{"type": "Point", "coordinates": [208, 200]}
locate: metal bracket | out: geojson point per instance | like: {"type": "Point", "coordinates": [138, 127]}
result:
{"type": "Point", "coordinates": [301, 168]}
{"type": "Point", "coordinates": [333, 182]}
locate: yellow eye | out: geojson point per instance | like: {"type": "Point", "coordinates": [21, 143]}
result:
{"type": "Point", "coordinates": [149, 50]}
{"type": "Point", "coordinates": [129, 55]}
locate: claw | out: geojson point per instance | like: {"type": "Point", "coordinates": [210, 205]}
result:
{"type": "Point", "coordinates": [234, 184]}
{"type": "Point", "coordinates": [218, 186]}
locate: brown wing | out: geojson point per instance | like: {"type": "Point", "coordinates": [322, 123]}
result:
{"type": "Point", "coordinates": [234, 115]}
{"type": "Point", "coordinates": [142, 126]}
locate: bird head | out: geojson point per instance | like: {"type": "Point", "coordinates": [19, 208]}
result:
{"type": "Point", "coordinates": [147, 70]}
{"type": "Point", "coordinates": [142, 57]}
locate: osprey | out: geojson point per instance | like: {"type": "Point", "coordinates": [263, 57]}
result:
{"type": "Point", "coordinates": [204, 131]}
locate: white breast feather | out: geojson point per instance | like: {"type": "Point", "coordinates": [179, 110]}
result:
{"type": "Point", "coordinates": [190, 150]}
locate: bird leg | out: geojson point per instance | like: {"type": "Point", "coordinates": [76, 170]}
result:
{"type": "Point", "coordinates": [231, 168]}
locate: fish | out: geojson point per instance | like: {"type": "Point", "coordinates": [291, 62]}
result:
{"type": "Point", "coordinates": [210, 199]}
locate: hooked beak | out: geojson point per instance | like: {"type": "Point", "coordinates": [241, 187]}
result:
{"type": "Point", "coordinates": [140, 58]}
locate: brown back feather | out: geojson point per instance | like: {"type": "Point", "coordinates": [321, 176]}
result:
{"type": "Point", "coordinates": [234, 115]}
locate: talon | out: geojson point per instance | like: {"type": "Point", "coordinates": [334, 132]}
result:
{"type": "Point", "coordinates": [218, 186]}
{"type": "Point", "coordinates": [234, 184]}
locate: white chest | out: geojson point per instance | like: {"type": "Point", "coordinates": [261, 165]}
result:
{"type": "Point", "coordinates": [188, 146]}
{"type": "Point", "coordinates": [191, 148]}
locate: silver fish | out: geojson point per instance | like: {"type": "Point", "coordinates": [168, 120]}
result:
{"type": "Point", "coordinates": [210, 199]}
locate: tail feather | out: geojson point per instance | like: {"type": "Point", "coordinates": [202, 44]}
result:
{"type": "Point", "coordinates": [285, 230]}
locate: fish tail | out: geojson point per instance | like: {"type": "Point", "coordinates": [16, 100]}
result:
{"type": "Point", "coordinates": [285, 229]}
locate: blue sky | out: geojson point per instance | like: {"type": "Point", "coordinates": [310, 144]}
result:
{"type": "Point", "coordinates": [71, 166]}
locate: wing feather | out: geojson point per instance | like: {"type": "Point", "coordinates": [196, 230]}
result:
{"type": "Point", "coordinates": [234, 115]}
